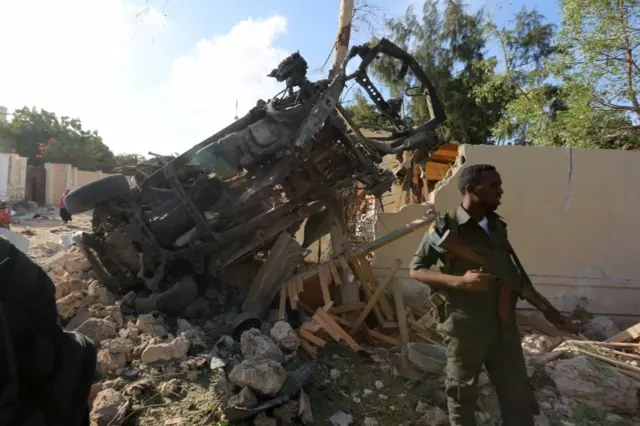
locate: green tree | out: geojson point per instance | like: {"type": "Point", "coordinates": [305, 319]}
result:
{"type": "Point", "coordinates": [362, 112]}
{"type": "Point", "coordinates": [450, 48]}
{"type": "Point", "coordinates": [522, 87]}
{"type": "Point", "coordinates": [128, 160]}
{"type": "Point", "coordinates": [43, 137]}
{"type": "Point", "coordinates": [584, 93]}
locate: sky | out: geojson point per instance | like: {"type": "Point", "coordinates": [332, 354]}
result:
{"type": "Point", "coordinates": [162, 75]}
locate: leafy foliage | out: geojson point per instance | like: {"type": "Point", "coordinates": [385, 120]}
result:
{"type": "Point", "coordinates": [43, 137]}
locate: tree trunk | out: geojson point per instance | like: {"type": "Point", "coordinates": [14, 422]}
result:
{"type": "Point", "coordinates": [341, 45]}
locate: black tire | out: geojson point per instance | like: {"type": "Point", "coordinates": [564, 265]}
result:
{"type": "Point", "coordinates": [86, 197]}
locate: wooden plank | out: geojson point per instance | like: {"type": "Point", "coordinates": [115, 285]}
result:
{"type": "Point", "coordinates": [377, 295]}
{"type": "Point", "coordinates": [400, 312]}
{"type": "Point", "coordinates": [395, 235]}
{"type": "Point", "coordinates": [544, 326]}
{"type": "Point", "coordinates": [325, 280]}
{"type": "Point", "coordinates": [347, 308]}
{"type": "Point", "coordinates": [312, 338]}
{"type": "Point", "coordinates": [282, 307]}
{"type": "Point", "coordinates": [293, 295]}
{"type": "Point", "coordinates": [332, 332]}
{"type": "Point", "coordinates": [299, 283]}
{"type": "Point", "coordinates": [355, 267]}
{"type": "Point", "coordinates": [385, 306]}
{"type": "Point", "coordinates": [283, 257]}
{"type": "Point", "coordinates": [311, 350]}
{"type": "Point", "coordinates": [631, 333]}
{"type": "Point", "coordinates": [384, 338]}
{"type": "Point", "coordinates": [311, 326]}
{"type": "Point", "coordinates": [334, 273]}
{"type": "Point", "coordinates": [349, 292]}
{"type": "Point", "coordinates": [344, 265]}
{"type": "Point", "coordinates": [343, 334]}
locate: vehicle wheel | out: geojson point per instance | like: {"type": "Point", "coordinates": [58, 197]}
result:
{"type": "Point", "coordinates": [86, 197]}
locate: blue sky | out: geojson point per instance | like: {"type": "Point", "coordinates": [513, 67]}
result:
{"type": "Point", "coordinates": [162, 75]}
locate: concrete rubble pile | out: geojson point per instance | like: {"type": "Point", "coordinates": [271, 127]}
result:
{"type": "Point", "coordinates": [256, 369]}
{"type": "Point", "coordinates": [145, 352]}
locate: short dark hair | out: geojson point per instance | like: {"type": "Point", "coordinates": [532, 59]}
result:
{"type": "Point", "coordinates": [472, 175]}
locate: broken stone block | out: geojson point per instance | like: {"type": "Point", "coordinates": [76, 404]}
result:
{"type": "Point", "coordinates": [255, 345]}
{"type": "Point", "coordinates": [341, 419]}
{"type": "Point", "coordinates": [176, 349]}
{"type": "Point", "coordinates": [118, 345]}
{"type": "Point", "coordinates": [100, 294]}
{"type": "Point", "coordinates": [109, 362]}
{"type": "Point", "coordinates": [537, 344]}
{"type": "Point", "coordinates": [263, 420]}
{"type": "Point", "coordinates": [435, 416]}
{"type": "Point", "coordinates": [595, 384]}
{"type": "Point", "coordinates": [285, 336]}
{"type": "Point", "coordinates": [78, 319]}
{"type": "Point", "coordinates": [72, 303]}
{"type": "Point", "coordinates": [97, 329]}
{"type": "Point", "coordinates": [194, 334]}
{"type": "Point", "coordinates": [263, 375]}
{"type": "Point", "coordinates": [109, 408]}
{"type": "Point", "coordinates": [370, 421]}
{"type": "Point", "coordinates": [244, 399]}
{"type": "Point", "coordinates": [151, 325]}
{"type": "Point", "coordinates": [68, 286]}
{"type": "Point", "coordinates": [75, 262]}
{"type": "Point", "coordinates": [177, 421]}
{"type": "Point", "coordinates": [112, 313]}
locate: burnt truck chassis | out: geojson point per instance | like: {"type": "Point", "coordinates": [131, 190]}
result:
{"type": "Point", "coordinates": [225, 198]}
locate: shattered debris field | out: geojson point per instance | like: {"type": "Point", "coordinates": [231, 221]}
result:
{"type": "Point", "coordinates": [306, 361]}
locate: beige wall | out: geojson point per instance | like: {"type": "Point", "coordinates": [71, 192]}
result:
{"type": "Point", "coordinates": [571, 216]}
{"type": "Point", "coordinates": [63, 176]}
{"type": "Point", "coordinates": [17, 177]}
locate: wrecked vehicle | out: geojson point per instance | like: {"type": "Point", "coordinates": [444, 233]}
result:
{"type": "Point", "coordinates": [230, 196]}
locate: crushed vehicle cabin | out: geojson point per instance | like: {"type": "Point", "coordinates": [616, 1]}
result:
{"type": "Point", "coordinates": [230, 196]}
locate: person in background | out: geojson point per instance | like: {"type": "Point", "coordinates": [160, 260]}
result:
{"type": "Point", "coordinates": [64, 213]}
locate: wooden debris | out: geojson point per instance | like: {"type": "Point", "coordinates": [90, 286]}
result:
{"type": "Point", "coordinates": [384, 338]}
{"type": "Point", "coordinates": [293, 294]}
{"type": "Point", "coordinates": [385, 306]}
{"type": "Point", "coordinates": [347, 308]}
{"type": "Point", "coordinates": [377, 296]}
{"type": "Point", "coordinates": [394, 235]}
{"type": "Point", "coordinates": [325, 280]}
{"type": "Point", "coordinates": [329, 320]}
{"type": "Point", "coordinates": [282, 307]}
{"type": "Point", "coordinates": [312, 338]}
{"type": "Point", "coordinates": [400, 313]}
{"type": "Point", "coordinates": [284, 256]}
{"type": "Point", "coordinates": [334, 273]}
{"type": "Point", "coordinates": [631, 333]}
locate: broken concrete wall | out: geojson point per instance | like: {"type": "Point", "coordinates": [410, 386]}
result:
{"type": "Point", "coordinates": [572, 220]}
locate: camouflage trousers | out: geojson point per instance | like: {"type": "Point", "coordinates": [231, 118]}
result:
{"type": "Point", "coordinates": [501, 354]}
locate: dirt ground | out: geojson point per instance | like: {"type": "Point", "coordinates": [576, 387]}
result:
{"type": "Point", "coordinates": [45, 233]}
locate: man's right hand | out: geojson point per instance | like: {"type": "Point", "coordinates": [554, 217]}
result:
{"type": "Point", "coordinates": [474, 281]}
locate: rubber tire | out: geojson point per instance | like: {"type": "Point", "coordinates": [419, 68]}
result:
{"type": "Point", "coordinates": [87, 197]}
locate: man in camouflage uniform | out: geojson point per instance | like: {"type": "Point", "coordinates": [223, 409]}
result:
{"type": "Point", "coordinates": [475, 334]}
